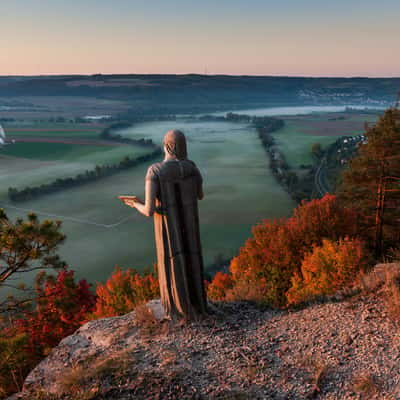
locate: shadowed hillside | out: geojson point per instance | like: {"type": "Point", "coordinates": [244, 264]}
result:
{"type": "Point", "coordinates": [190, 93]}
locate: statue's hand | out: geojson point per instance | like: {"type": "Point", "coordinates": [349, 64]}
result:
{"type": "Point", "coordinates": [130, 203]}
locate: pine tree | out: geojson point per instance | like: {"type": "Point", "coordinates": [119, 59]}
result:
{"type": "Point", "coordinates": [371, 183]}
{"type": "Point", "coordinates": [25, 246]}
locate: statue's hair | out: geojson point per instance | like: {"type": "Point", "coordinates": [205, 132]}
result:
{"type": "Point", "coordinates": [175, 144]}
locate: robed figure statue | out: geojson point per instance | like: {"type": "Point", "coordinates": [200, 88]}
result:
{"type": "Point", "coordinates": [172, 190]}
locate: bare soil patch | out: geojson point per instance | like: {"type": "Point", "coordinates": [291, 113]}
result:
{"type": "Point", "coordinates": [16, 164]}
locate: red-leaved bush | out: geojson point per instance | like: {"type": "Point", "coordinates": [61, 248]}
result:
{"type": "Point", "coordinates": [61, 306]}
{"type": "Point", "coordinates": [123, 291]}
{"type": "Point", "coordinates": [264, 268]}
{"type": "Point", "coordinates": [327, 269]}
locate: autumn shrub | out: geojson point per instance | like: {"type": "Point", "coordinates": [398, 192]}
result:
{"type": "Point", "coordinates": [319, 219]}
{"type": "Point", "coordinates": [266, 264]}
{"type": "Point", "coordinates": [61, 306]}
{"type": "Point", "coordinates": [263, 268]}
{"type": "Point", "coordinates": [123, 291]}
{"type": "Point", "coordinates": [221, 283]}
{"type": "Point", "coordinates": [327, 269]}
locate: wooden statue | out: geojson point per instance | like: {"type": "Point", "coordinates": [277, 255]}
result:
{"type": "Point", "coordinates": [172, 190]}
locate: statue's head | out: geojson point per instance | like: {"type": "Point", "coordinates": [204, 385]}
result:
{"type": "Point", "coordinates": [175, 144]}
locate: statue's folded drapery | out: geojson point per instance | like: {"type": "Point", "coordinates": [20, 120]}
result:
{"type": "Point", "coordinates": [177, 185]}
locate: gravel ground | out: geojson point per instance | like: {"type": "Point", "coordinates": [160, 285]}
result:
{"type": "Point", "coordinates": [337, 350]}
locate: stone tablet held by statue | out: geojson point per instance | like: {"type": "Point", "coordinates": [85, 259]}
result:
{"type": "Point", "coordinates": [172, 189]}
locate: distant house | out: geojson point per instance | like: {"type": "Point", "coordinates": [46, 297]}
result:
{"type": "Point", "coordinates": [97, 117]}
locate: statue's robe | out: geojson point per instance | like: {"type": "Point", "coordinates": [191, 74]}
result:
{"type": "Point", "coordinates": [177, 185]}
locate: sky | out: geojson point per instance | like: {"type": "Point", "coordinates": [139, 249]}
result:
{"type": "Point", "coordinates": [236, 37]}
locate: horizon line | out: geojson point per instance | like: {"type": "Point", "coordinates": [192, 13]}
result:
{"type": "Point", "coordinates": [56, 74]}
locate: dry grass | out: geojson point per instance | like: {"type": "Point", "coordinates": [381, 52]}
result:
{"type": "Point", "coordinates": [169, 358]}
{"type": "Point", "coordinates": [318, 371]}
{"type": "Point", "coordinates": [392, 297]}
{"type": "Point", "coordinates": [366, 385]}
{"type": "Point", "coordinates": [369, 282]}
{"type": "Point", "coordinates": [147, 322]}
{"type": "Point", "coordinates": [379, 276]}
{"type": "Point", "coordinates": [84, 381]}
{"type": "Point", "coordinates": [41, 395]}
{"type": "Point", "coordinates": [385, 279]}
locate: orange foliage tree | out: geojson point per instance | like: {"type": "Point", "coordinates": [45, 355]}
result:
{"type": "Point", "coordinates": [123, 291]}
{"type": "Point", "coordinates": [267, 262]}
{"type": "Point", "coordinates": [327, 269]}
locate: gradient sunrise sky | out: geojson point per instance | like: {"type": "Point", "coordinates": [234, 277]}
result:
{"type": "Point", "coordinates": [253, 37]}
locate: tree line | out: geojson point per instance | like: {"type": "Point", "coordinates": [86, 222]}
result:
{"type": "Point", "coordinates": [99, 172]}
{"type": "Point", "coordinates": [299, 188]}
{"type": "Point", "coordinates": [108, 133]}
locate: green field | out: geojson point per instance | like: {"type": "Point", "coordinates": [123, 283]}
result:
{"type": "Point", "coordinates": [65, 152]}
{"type": "Point", "coordinates": [53, 129]}
{"type": "Point", "coordinates": [239, 192]}
{"type": "Point", "coordinates": [296, 145]}
{"type": "Point", "coordinates": [300, 133]}
{"type": "Point", "coordinates": [79, 133]}
{"type": "Point", "coordinates": [32, 164]}
{"type": "Point", "coordinates": [52, 151]}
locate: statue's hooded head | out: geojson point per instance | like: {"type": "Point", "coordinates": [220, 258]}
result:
{"type": "Point", "coordinates": [175, 144]}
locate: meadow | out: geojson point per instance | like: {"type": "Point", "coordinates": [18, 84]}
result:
{"type": "Point", "coordinates": [53, 129]}
{"type": "Point", "coordinates": [301, 132]}
{"type": "Point", "coordinates": [52, 151]}
{"type": "Point", "coordinates": [31, 164]}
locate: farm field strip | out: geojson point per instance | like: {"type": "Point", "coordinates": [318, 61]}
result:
{"type": "Point", "coordinates": [300, 133]}
{"type": "Point", "coordinates": [72, 152]}
{"type": "Point", "coordinates": [33, 164]}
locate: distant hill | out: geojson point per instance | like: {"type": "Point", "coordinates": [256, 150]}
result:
{"type": "Point", "coordinates": [177, 92]}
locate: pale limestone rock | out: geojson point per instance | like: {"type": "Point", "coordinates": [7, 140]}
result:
{"type": "Point", "coordinates": [103, 337]}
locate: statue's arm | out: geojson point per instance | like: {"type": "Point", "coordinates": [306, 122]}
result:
{"type": "Point", "coordinates": [200, 192]}
{"type": "Point", "coordinates": [148, 207]}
